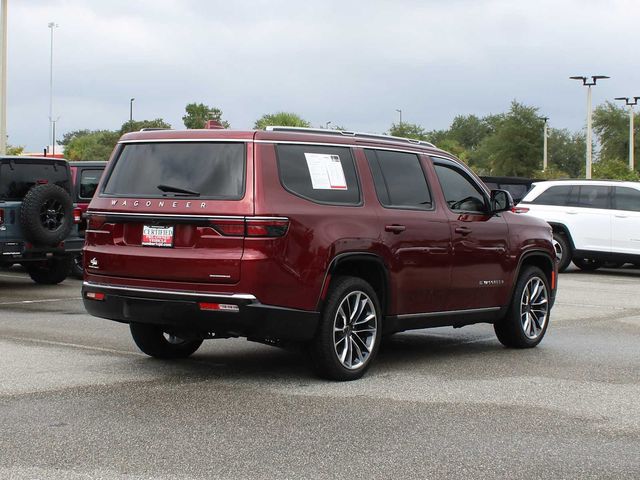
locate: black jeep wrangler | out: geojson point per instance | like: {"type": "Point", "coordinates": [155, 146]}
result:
{"type": "Point", "coordinates": [37, 224]}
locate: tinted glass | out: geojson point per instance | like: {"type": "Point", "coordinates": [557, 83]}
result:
{"type": "Point", "coordinates": [459, 192]}
{"type": "Point", "coordinates": [517, 191]}
{"type": "Point", "coordinates": [593, 196]}
{"type": "Point", "coordinates": [17, 177]}
{"type": "Point", "coordinates": [558, 195]}
{"type": "Point", "coordinates": [89, 182]}
{"type": "Point", "coordinates": [627, 199]}
{"type": "Point", "coordinates": [399, 179]}
{"type": "Point", "coordinates": [207, 170]}
{"type": "Point", "coordinates": [320, 174]}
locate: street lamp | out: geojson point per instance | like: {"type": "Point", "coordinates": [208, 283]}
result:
{"type": "Point", "coordinates": [131, 109]}
{"type": "Point", "coordinates": [589, 84]}
{"type": "Point", "coordinates": [400, 112]}
{"type": "Point", "coordinates": [630, 104]}
{"type": "Point", "coordinates": [544, 143]}
{"type": "Point", "coordinates": [326, 125]}
{"type": "Point", "coordinates": [52, 26]}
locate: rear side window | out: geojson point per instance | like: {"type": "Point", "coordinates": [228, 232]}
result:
{"type": "Point", "coordinates": [627, 199]}
{"type": "Point", "coordinates": [17, 177]}
{"type": "Point", "coordinates": [591, 196]}
{"type": "Point", "coordinates": [89, 182]}
{"type": "Point", "coordinates": [399, 180]}
{"type": "Point", "coordinates": [320, 174]}
{"type": "Point", "coordinates": [180, 169]}
{"type": "Point", "coordinates": [558, 195]}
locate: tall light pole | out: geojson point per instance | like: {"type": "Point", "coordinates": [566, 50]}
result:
{"type": "Point", "coordinates": [52, 122]}
{"type": "Point", "coordinates": [589, 84]}
{"type": "Point", "coordinates": [3, 81]}
{"type": "Point", "coordinates": [544, 144]}
{"type": "Point", "coordinates": [326, 125]}
{"type": "Point", "coordinates": [400, 112]}
{"type": "Point", "coordinates": [630, 103]}
{"type": "Point", "coordinates": [131, 110]}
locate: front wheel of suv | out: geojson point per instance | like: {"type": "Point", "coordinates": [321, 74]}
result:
{"type": "Point", "coordinates": [563, 250]}
{"type": "Point", "coordinates": [527, 319]}
{"type": "Point", "coordinates": [350, 330]}
{"type": "Point", "coordinates": [155, 342]}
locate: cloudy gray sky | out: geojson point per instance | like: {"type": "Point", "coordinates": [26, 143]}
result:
{"type": "Point", "coordinates": [350, 62]}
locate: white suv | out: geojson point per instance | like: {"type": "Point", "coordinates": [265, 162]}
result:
{"type": "Point", "coordinates": [594, 221]}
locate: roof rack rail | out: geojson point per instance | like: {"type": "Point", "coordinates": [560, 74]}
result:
{"type": "Point", "coordinates": [347, 133]}
{"type": "Point", "coordinates": [151, 129]}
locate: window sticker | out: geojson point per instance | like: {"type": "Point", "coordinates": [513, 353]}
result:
{"type": "Point", "coordinates": [326, 171]}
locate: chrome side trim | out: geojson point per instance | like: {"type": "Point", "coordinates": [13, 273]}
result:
{"type": "Point", "coordinates": [448, 312]}
{"type": "Point", "coordinates": [179, 140]}
{"type": "Point", "coordinates": [185, 216]}
{"type": "Point", "coordinates": [234, 296]}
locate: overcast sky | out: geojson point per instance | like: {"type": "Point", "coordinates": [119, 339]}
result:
{"type": "Point", "coordinates": [349, 62]}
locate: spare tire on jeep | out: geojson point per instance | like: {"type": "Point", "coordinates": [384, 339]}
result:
{"type": "Point", "coordinates": [46, 215]}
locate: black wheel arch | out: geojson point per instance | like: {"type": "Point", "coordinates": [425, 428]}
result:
{"type": "Point", "coordinates": [537, 258]}
{"type": "Point", "coordinates": [561, 228]}
{"type": "Point", "coordinates": [366, 265]}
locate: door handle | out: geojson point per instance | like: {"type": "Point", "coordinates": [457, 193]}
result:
{"type": "Point", "coordinates": [463, 230]}
{"type": "Point", "coordinates": [622, 216]}
{"type": "Point", "coordinates": [572, 212]}
{"type": "Point", "coordinates": [395, 228]}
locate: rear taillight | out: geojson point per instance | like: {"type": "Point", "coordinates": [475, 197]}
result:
{"type": "Point", "coordinates": [95, 296]}
{"type": "Point", "coordinates": [77, 215]}
{"type": "Point", "coordinates": [94, 222]}
{"type": "Point", "coordinates": [267, 227]}
{"type": "Point", "coordinates": [1, 216]}
{"type": "Point", "coordinates": [252, 227]}
{"type": "Point", "coordinates": [519, 209]}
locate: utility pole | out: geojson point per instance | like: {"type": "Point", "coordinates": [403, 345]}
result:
{"type": "Point", "coordinates": [131, 110]}
{"type": "Point", "coordinates": [52, 122]}
{"type": "Point", "coordinates": [3, 81]}
{"type": "Point", "coordinates": [630, 103]}
{"type": "Point", "coordinates": [589, 84]}
{"type": "Point", "coordinates": [544, 144]}
{"type": "Point", "coordinates": [400, 112]}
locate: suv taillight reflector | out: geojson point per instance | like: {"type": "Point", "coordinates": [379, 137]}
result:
{"type": "Point", "coordinates": [219, 307]}
{"type": "Point", "coordinates": [77, 215]}
{"type": "Point", "coordinates": [95, 296]}
{"type": "Point", "coordinates": [95, 221]}
{"type": "Point", "coordinates": [259, 227]}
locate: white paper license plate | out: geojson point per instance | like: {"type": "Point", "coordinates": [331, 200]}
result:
{"type": "Point", "coordinates": [154, 236]}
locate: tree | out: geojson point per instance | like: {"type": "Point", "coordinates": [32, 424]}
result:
{"type": "Point", "coordinates": [67, 137]}
{"type": "Point", "coordinates": [282, 119]}
{"type": "Point", "coordinates": [408, 130]}
{"type": "Point", "coordinates": [198, 114]}
{"type": "Point", "coordinates": [566, 153]}
{"type": "Point", "coordinates": [137, 125]}
{"type": "Point", "coordinates": [515, 146]}
{"type": "Point", "coordinates": [94, 145]}
{"type": "Point", "coordinates": [15, 150]}
{"type": "Point", "coordinates": [613, 169]}
{"type": "Point", "coordinates": [469, 131]}
{"type": "Point", "coordinates": [611, 126]}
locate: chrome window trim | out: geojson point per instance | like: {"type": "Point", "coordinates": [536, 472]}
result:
{"type": "Point", "coordinates": [180, 140]}
{"type": "Point", "coordinates": [185, 217]}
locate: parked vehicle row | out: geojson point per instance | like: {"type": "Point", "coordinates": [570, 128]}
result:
{"type": "Point", "coordinates": [326, 238]}
{"type": "Point", "coordinates": [595, 222]}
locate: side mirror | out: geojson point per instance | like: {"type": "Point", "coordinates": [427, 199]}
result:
{"type": "Point", "coordinates": [501, 201]}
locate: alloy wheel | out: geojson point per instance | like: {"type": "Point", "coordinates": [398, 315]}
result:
{"type": "Point", "coordinates": [534, 308]}
{"type": "Point", "coordinates": [355, 328]}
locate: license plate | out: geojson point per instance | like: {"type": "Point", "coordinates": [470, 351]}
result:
{"type": "Point", "coordinates": [155, 236]}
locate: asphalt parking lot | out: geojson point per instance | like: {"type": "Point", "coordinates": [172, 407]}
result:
{"type": "Point", "coordinates": [77, 400]}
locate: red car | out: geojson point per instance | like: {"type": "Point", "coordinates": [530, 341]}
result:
{"type": "Point", "coordinates": [328, 238]}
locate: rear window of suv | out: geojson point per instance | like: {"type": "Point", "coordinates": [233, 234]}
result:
{"type": "Point", "coordinates": [159, 169]}
{"type": "Point", "coordinates": [18, 176]}
{"type": "Point", "coordinates": [318, 173]}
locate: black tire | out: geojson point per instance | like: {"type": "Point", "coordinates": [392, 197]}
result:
{"type": "Point", "coordinates": [49, 272]}
{"type": "Point", "coordinates": [523, 326]}
{"type": "Point", "coordinates": [563, 250]}
{"type": "Point", "coordinates": [155, 342]}
{"type": "Point", "coordinates": [587, 264]}
{"type": "Point", "coordinates": [359, 335]}
{"type": "Point", "coordinates": [77, 270]}
{"type": "Point", "coordinates": [46, 215]}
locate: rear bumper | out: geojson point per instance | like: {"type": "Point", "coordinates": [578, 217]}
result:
{"type": "Point", "coordinates": [18, 251]}
{"type": "Point", "coordinates": [180, 310]}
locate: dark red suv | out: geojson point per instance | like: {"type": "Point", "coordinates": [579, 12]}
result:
{"type": "Point", "coordinates": [331, 239]}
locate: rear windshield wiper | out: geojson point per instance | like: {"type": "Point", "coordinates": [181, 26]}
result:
{"type": "Point", "coordinates": [172, 189]}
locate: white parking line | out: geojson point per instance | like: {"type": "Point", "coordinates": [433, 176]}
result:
{"type": "Point", "coordinates": [25, 302]}
{"type": "Point", "coordinates": [72, 345]}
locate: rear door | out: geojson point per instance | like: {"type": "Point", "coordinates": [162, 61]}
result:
{"type": "Point", "coordinates": [625, 236]}
{"type": "Point", "coordinates": [415, 232]}
{"type": "Point", "coordinates": [480, 241]}
{"type": "Point", "coordinates": [172, 211]}
{"type": "Point", "coordinates": [588, 216]}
